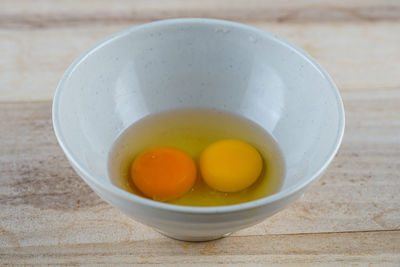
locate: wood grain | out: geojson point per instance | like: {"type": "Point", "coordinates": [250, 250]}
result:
{"type": "Point", "coordinates": [351, 216]}
{"type": "Point", "coordinates": [288, 250]}
{"type": "Point", "coordinates": [44, 13]}
{"type": "Point", "coordinates": [358, 56]}
{"type": "Point", "coordinates": [46, 207]}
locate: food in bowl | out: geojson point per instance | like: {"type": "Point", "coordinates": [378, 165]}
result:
{"type": "Point", "coordinates": [197, 157]}
{"type": "Point", "coordinates": [198, 63]}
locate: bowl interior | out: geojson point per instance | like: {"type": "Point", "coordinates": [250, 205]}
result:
{"type": "Point", "coordinates": [199, 63]}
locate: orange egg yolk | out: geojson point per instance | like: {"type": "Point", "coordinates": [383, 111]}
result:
{"type": "Point", "coordinates": [230, 165]}
{"type": "Point", "coordinates": [163, 173]}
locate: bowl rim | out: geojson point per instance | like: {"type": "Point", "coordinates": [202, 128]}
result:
{"type": "Point", "coordinates": [119, 193]}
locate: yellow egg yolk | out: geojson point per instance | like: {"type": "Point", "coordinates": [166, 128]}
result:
{"type": "Point", "coordinates": [163, 173]}
{"type": "Point", "coordinates": [230, 165]}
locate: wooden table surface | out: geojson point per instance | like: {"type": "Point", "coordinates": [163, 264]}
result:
{"type": "Point", "coordinates": [351, 216]}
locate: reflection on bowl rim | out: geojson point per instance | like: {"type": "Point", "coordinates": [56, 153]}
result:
{"type": "Point", "coordinates": [108, 186]}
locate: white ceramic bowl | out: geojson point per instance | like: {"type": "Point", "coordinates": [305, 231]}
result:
{"type": "Point", "coordinates": [198, 63]}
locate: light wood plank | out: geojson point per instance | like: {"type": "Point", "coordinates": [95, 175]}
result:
{"type": "Point", "coordinates": [358, 56]}
{"type": "Point", "coordinates": [43, 202]}
{"type": "Point", "coordinates": [47, 13]}
{"type": "Point", "coordinates": [374, 248]}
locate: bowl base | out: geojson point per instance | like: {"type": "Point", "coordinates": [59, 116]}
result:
{"type": "Point", "coordinates": [192, 238]}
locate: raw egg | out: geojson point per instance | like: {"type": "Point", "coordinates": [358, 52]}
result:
{"type": "Point", "coordinates": [199, 133]}
{"type": "Point", "coordinates": [163, 173]}
{"type": "Point", "coordinates": [230, 165]}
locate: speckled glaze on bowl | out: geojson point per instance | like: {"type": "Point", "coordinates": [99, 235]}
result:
{"type": "Point", "coordinates": [198, 63]}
